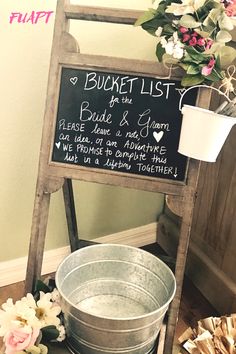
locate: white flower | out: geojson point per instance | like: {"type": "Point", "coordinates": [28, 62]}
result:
{"type": "Point", "coordinates": [158, 31]}
{"type": "Point", "coordinates": [47, 311]}
{"type": "Point", "coordinates": [187, 7]}
{"type": "Point", "coordinates": [6, 316]}
{"type": "Point", "coordinates": [62, 333]}
{"type": "Point", "coordinates": [178, 52]}
{"type": "Point", "coordinates": [175, 37]}
{"type": "Point", "coordinates": [29, 301]}
{"type": "Point", "coordinates": [56, 296]}
{"type": "Point", "coordinates": [169, 47]}
{"type": "Point", "coordinates": [173, 47]}
{"type": "Point", "coordinates": [163, 42]}
{"type": "Point", "coordinates": [16, 314]}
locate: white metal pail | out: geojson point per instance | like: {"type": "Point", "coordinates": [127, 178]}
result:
{"type": "Point", "coordinates": [203, 133]}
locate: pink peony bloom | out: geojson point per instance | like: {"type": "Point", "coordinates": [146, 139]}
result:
{"type": "Point", "coordinates": [230, 7]}
{"type": "Point", "coordinates": [209, 43]}
{"type": "Point", "coordinates": [201, 41]}
{"type": "Point", "coordinates": [186, 37]}
{"type": "Point", "coordinates": [21, 338]}
{"type": "Point", "coordinates": [183, 29]}
{"type": "Point", "coordinates": [194, 34]}
{"type": "Point", "coordinates": [211, 63]}
{"type": "Point", "coordinates": [193, 41]}
{"type": "Point", "coordinates": [231, 10]}
{"type": "Point", "coordinates": [206, 70]}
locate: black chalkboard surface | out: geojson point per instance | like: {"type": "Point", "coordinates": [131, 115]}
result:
{"type": "Point", "coordinates": [121, 123]}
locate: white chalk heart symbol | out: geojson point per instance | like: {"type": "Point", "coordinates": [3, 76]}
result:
{"type": "Point", "coordinates": [74, 80]}
{"type": "Point", "coordinates": [181, 91]}
{"type": "Point", "coordinates": [158, 136]}
{"type": "Point", "coordinates": [58, 144]}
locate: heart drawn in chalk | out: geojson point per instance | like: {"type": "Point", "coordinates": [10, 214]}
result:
{"type": "Point", "coordinates": [158, 136]}
{"type": "Point", "coordinates": [74, 80]}
{"type": "Point", "coordinates": [181, 90]}
{"type": "Point", "coordinates": [58, 144]}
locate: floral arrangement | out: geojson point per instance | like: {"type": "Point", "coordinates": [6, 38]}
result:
{"type": "Point", "coordinates": [194, 35]}
{"type": "Point", "coordinates": [34, 319]}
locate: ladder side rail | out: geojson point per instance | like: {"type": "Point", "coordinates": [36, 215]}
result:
{"type": "Point", "coordinates": [101, 14]}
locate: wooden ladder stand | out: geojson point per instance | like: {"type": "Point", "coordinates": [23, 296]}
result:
{"type": "Point", "coordinates": [52, 177]}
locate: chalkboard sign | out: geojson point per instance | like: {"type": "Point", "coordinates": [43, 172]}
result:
{"type": "Point", "coordinates": [122, 123]}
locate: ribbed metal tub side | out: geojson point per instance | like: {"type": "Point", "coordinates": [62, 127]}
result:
{"type": "Point", "coordinates": [114, 298]}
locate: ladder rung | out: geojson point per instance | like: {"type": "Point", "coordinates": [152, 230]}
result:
{"type": "Point", "coordinates": [102, 14]}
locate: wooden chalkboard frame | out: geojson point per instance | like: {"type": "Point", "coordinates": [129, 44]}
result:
{"type": "Point", "coordinates": [74, 87]}
{"type": "Point", "coordinates": [52, 177]}
{"type": "Point", "coordinates": [116, 65]}
{"type": "Point", "coordinates": [99, 175]}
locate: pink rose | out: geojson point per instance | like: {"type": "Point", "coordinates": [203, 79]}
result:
{"type": "Point", "coordinates": [186, 37]}
{"type": "Point", "coordinates": [206, 70]}
{"type": "Point", "coordinates": [201, 41]}
{"type": "Point", "coordinates": [194, 34]}
{"type": "Point", "coordinates": [209, 43]}
{"type": "Point", "coordinates": [211, 63]}
{"type": "Point", "coordinates": [183, 29]}
{"type": "Point", "coordinates": [20, 338]}
{"type": "Point", "coordinates": [231, 10]}
{"type": "Point", "coordinates": [193, 41]}
{"type": "Point", "coordinates": [230, 7]}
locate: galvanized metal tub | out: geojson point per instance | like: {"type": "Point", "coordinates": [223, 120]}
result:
{"type": "Point", "coordinates": [114, 298]}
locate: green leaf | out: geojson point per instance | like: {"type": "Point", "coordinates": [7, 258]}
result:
{"type": "Point", "coordinates": [215, 48]}
{"type": "Point", "coordinates": [41, 286]}
{"type": "Point", "coordinates": [162, 9]}
{"type": "Point", "coordinates": [187, 59]}
{"type": "Point", "coordinates": [214, 15]}
{"type": "Point", "coordinates": [50, 333]}
{"type": "Point", "coordinates": [196, 57]}
{"type": "Point", "coordinates": [223, 36]}
{"type": "Point", "coordinates": [227, 55]}
{"type": "Point", "coordinates": [43, 348]}
{"type": "Point", "coordinates": [151, 26]}
{"type": "Point", "coordinates": [214, 76]}
{"type": "Point", "coordinates": [189, 21]}
{"type": "Point", "coordinates": [169, 59]}
{"type": "Point", "coordinates": [160, 51]}
{"type": "Point", "coordinates": [199, 3]}
{"type": "Point", "coordinates": [203, 34]}
{"type": "Point", "coordinates": [217, 62]}
{"type": "Point", "coordinates": [191, 80]}
{"type": "Point", "coordinates": [168, 30]}
{"type": "Point", "coordinates": [40, 349]}
{"type": "Point", "coordinates": [145, 17]}
{"type": "Point", "coordinates": [184, 66]}
{"type": "Point", "coordinates": [33, 350]}
{"type": "Point", "coordinates": [225, 22]}
{"type": "Point", "coordinates": [193, 69]}
{"type": "Point", "coordinates": [209, 27]}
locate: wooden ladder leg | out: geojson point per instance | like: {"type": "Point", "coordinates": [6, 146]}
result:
{"type": "Point", "coordinates": [45, 187]}
{"type": "Point", "coordinates": [161, 341]}
{"type": "Point", "coordinates": [37, 240]}
{"type": "Point", "coordinates": [70, 214]}
{"type": "Point", "coordinates": [179, 273]}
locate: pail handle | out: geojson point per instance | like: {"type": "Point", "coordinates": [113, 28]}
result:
{"type": "Point", "coordinates": [206, 86]}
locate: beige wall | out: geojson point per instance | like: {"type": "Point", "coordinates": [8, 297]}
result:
{"type": "Point", "coordinates": [25, 54]}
